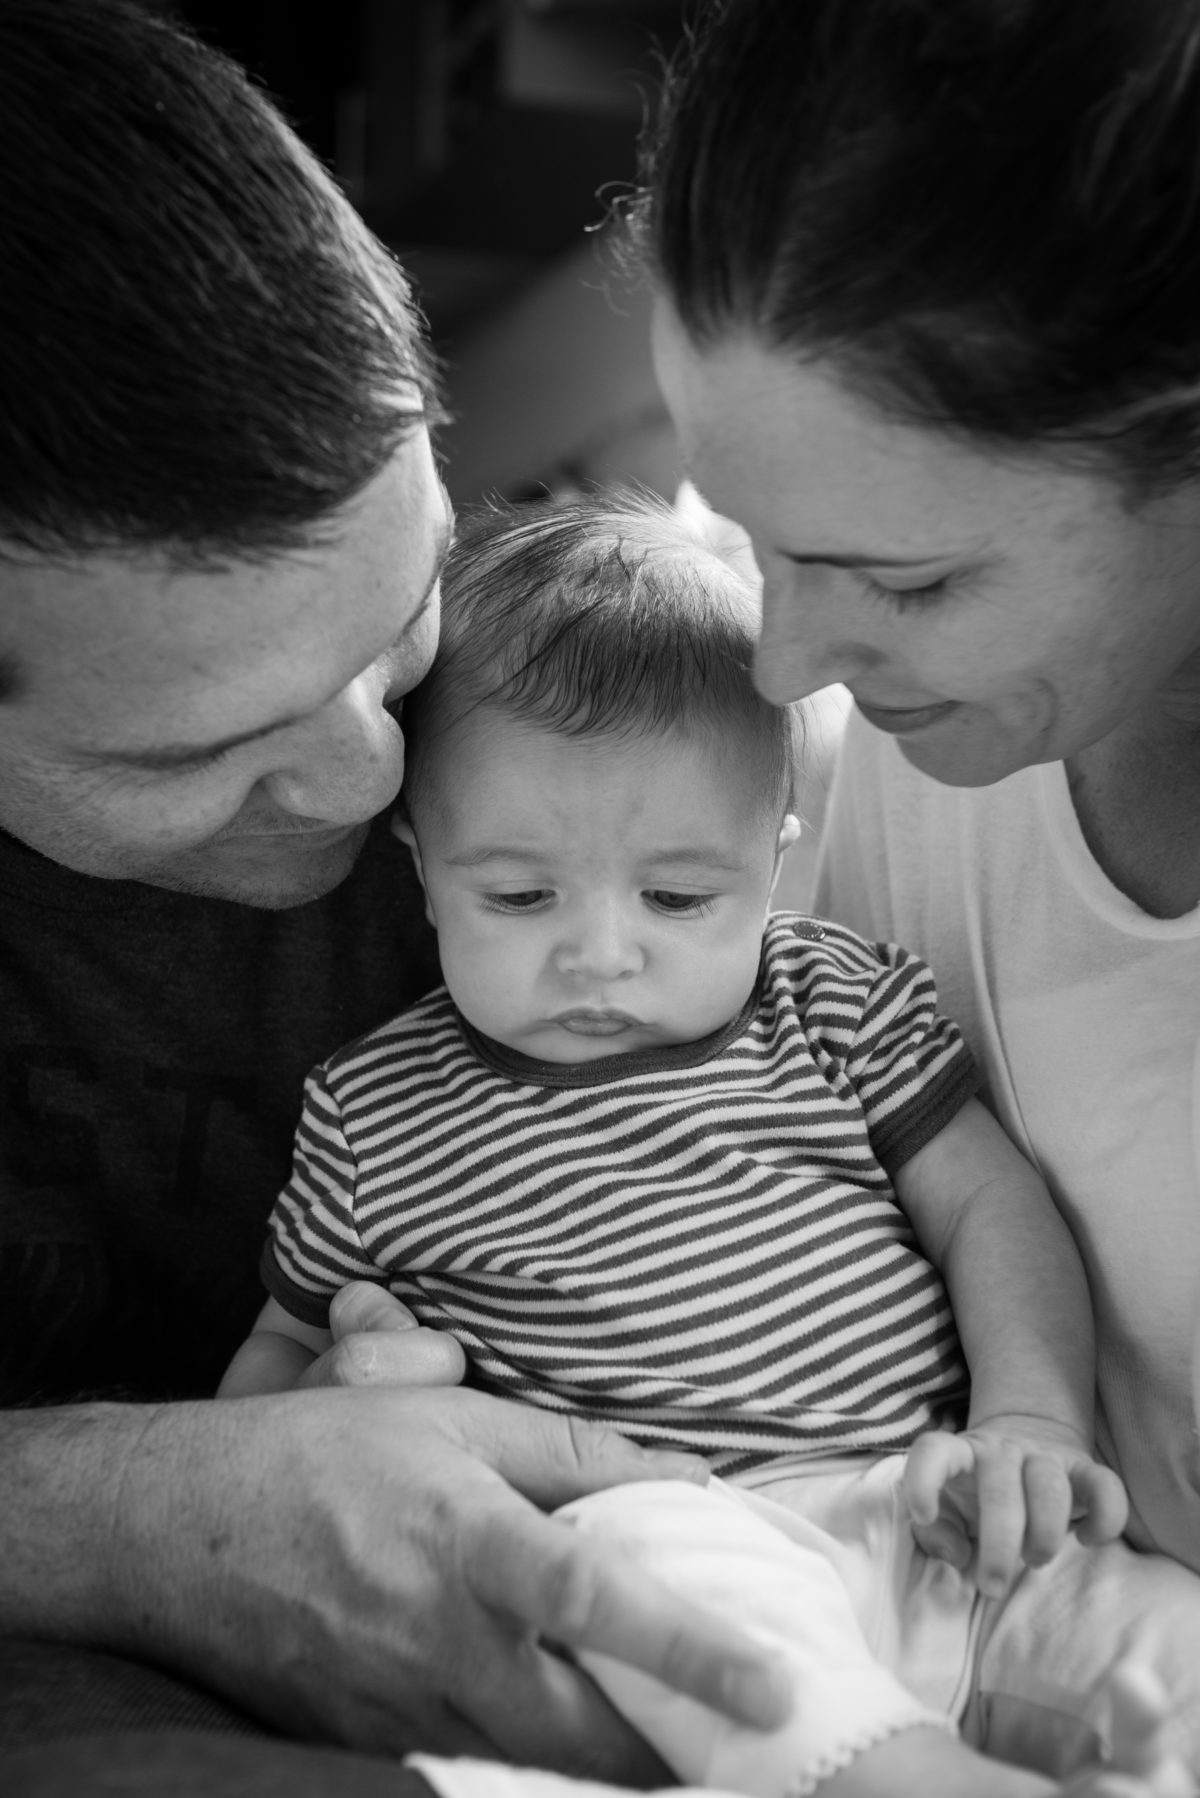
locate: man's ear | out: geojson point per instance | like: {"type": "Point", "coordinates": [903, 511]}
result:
{"type": "Point", "coordinates": [789, 833]}
{"type": "Point", "coordinates": [402, 827]}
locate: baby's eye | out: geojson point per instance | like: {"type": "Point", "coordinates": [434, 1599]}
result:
{"type": "Point", "coordinates": [516, 902]}
{"type": "Point", "coordinates": [679, 904]}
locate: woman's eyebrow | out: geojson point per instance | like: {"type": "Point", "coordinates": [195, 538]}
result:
{"type": "Point", "coordinates": [841, 558]}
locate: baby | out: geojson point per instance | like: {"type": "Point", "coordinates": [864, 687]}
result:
{"type": "Point", "coordinates": [714, 1176]}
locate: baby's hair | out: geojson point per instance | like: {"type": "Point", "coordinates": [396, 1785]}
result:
{"type": "Point", "coordinates": [600, 616]}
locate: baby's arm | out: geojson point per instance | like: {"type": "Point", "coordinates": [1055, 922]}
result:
{"type": "Point", "coordinates": [1023, 1474]}
{"type": "Point", "coordinates": [277, 1351]}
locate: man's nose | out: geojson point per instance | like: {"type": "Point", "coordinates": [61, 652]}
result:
{"type": "Point", "coordinates": [345, 763]}
{"type": "Point", "coordinates": [601, 942]}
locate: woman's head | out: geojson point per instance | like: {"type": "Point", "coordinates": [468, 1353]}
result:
{"type": "Point", "coordinates": [984, 213]}
{"type": "Point", "coordinates": [928, 324]}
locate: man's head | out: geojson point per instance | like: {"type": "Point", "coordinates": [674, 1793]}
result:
{"type": "Point", "coordinates": [597, 797]}
{"type": "Point", "coordinates": [220, 524]}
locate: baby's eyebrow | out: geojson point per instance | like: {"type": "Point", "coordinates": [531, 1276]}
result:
{"type": "Point", "coordinates": [687, 856]}
{"type": "Point", "coordinates": [715, 861]}
{"type": "Point", "coordinates": [492, 852]}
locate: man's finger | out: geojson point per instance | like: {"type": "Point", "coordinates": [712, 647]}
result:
{"type": "Point", "coordinates": [538, 1709]}
{"type": "Point", "coordinates": [584, 1594]}
{"type": "Point", "coordinates": [389, 1358]}
{"type": "Point", "coordinates": [362, 1305]}
{"type": "Point", "coordinates": [552, 1459]}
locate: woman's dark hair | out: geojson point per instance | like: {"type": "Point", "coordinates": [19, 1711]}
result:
{"type": "Point", "coordinates": [986, 213]}
{"type": "Point", "coordinates": [602, 616]}
{"type": "Point", "coordinates": [202, 349]}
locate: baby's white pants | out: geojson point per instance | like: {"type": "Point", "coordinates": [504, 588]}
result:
{"type": "Point", "coordinates": [881, 1637]}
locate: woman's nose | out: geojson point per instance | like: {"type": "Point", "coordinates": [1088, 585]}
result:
{"type": "Point", "coordinates": [805, 643]}
{"type": "Point", "coordinates": [345, 763]}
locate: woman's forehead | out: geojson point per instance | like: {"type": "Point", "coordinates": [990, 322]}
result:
{"type": "Point", "coordinates": [773, 440]}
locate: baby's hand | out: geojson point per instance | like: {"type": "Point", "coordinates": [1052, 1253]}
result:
{"type": "Point", "coordinates": [1140, 1765]}
{"type": "Point", "coordinates": [1005, 1493]}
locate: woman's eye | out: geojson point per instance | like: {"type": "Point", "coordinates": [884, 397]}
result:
{"type": "Point", "coordinates": [680, 904]}
{"type": "Point", "coordinates": [516, 902]}
{"type": "Point", "coordinates": [903, 597]}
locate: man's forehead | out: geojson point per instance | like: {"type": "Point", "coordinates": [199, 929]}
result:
{"type": "Point", "coordinates": [137, 639]}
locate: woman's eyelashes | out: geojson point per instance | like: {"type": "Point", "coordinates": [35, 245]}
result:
{"type": "Point", "coordinates": [928, 593]}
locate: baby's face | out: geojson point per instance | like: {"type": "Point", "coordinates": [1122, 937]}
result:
{"type": "Point", "coordinates": [593, 896]}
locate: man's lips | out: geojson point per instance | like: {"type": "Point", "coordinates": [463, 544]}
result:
{"type": "Point", "coordinates": [900, 721]}
{"type": "Point", "coordinates": [308, 838]}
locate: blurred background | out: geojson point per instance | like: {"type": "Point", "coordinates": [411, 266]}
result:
{"type": "Point", "coordinates": [487, 143]}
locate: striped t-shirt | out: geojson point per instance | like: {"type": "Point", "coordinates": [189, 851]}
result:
{"type": "Point", "coordinates": [699, 1245]}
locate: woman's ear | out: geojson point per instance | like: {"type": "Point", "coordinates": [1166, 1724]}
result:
{"type": "Point", "coordinates": [402, 827]}
{"type": "Point", "coordinates": [789, 833]}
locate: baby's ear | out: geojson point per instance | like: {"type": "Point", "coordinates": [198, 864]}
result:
{"type": "Point", "coordinates": [790, 832]}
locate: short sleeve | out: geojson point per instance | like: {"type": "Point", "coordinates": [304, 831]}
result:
{"type": "Point", "coordinates": [908, 1063]}
{"type": "Point", "coordinates": [313, 1246]}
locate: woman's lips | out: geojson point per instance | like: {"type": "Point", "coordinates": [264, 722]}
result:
{"type": "Point", "coordinates": [901, 721]}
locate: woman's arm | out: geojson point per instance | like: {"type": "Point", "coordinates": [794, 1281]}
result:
{"type": "Point", "coordinates": [1023, 1473]}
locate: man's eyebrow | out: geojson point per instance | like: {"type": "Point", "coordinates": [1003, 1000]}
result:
{"type": "Point", "coordinates": [177, 755]}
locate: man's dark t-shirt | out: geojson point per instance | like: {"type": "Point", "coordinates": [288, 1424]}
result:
{"type": "Point", "coordinates": [153, 1048]}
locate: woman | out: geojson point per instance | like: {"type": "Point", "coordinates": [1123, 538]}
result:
{"type": "Point", "coordinates": [929, 327]}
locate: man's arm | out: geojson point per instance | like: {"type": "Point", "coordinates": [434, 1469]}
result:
{"type": "Point", "coordinates": [371, 1566]}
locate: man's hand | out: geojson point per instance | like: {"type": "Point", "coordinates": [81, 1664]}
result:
{"type": "Point", "coordinates": [375, 1567]}
{"type": "Point", "coordinates": [378, 1342]}
{"type": "Point", "coordinates": [1006, 1493]}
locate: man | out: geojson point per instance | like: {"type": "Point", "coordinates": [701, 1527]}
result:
{"type": "Point", "coordinates": [221, 529]}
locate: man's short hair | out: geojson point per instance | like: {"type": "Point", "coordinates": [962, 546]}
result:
{"type": "Point", "coordinates": [598, 616]}
{"type": "Point", "coordinates": [203, 350]}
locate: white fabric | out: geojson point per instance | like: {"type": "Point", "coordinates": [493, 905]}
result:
{"type": "Point", "coordinates": [709, 1546]}
{"type": "Point", "coordinates": [464, 1778]}
{"type": "Point", "coordinates": [1026, 1677]}
{"type": "Point", "coordinates": [918, 1617]}
{"type": "Point", "coordinates": [1084, 1013]}
{"type": "Point", "coordinates": [834, 1569]}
